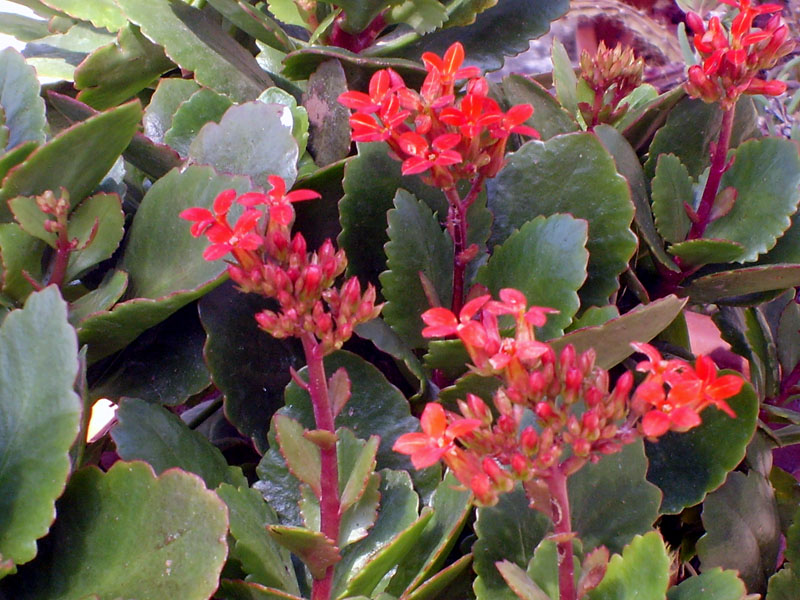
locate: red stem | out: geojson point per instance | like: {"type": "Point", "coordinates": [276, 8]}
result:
{"type": "Point", "coordinates": [63, 250]}
{"type": "Point", "coordinates": [718, 167]}
{"type": "Point", "coordinates": [457, 226]}
{"type": "Point", "coordinates": [562, 525]}
{"type": "Point", "coordinates": [329, 503]}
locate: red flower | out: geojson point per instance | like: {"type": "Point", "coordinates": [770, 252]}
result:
{"type": "Point", "coordinates": [448, 68]}
{"type": "Point", "coordinates": [424, 156]}
{"type": "Point", "coordinates": [381, 85]}
{"type": "Point", "coordinates": [437, 437]}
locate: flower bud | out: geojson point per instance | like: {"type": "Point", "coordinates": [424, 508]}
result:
{"type": "Point", "coordinates": [529, 440]}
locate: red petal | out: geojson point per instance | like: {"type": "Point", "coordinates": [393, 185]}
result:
{"type": "Point", "coordinates": [410, 443]}
{"type": "Point", "coordinates": [222, 203]}
{"type": "Point", "coordinates": [447, 141]}
{"type": "Point", "coordinates": [415, 164]}
{"type": "Point", "coordinates": [278, 185]}
{"type": "Point", "coordinates": [725, 387]}
{"type": "Point", "coordinates": [433, 420]}
{"type": "Point", "coordinates": [299, 195]}
{"type": "Point", "coordinates": [252, 199]}
{"type": "Point", "coordinates": [453, 58]}
{"type": "Point", "coordinates": [427, 457]}
{"type": "Point", "coordinates": [197, 213]}
{"type": "Point", "coordinates": [358, 101]}
{"type": "Point", "coordinates": [655, 423]}
{"type": "Point", "coordinates": [473, 306]}
{"type": "Point", "coordinates": [462, 427]}
{"type": "Point", "coordinates": [684, 418]}
{"type": "Point", "coordinates": [439, 317]}
{"type": "Point", "coordinates": [412, 143]}
{"type": "Point", "coordinates": [216, 251]}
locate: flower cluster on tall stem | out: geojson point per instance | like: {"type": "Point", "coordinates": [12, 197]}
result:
{"type": "Point", "coordinates": [732, 60]}
{"type": "Point", "coordinates": [269, 260]}
{"type": "Point", "coordinates": [578, 417]}
{"type": "Point", "coordinates": [441, 135]}
{"type": "Point", "coordinates": [611, 74]}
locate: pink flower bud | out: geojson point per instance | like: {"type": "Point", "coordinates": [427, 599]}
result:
{"type": "Point", "coordinates": [529, 440]}
{"type": "Point", "coordinates": [519, 465]}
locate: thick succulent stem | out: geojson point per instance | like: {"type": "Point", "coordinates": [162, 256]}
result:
{"type": "Point", "coordinates": [329, 504]}
{"type": "Point", "coordinates": [458, 226]}
{"type": "Point", "coordinates": [562, 525]}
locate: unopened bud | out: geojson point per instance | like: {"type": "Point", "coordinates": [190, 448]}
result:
{"type": "Point", "coordinates": [519, 465]}
{"type": "Point", "coordinates": [529, 440]}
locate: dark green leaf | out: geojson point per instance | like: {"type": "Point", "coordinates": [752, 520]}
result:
{"type": "Point", "coordinates": [357, 475]}
{"type": "Point", "coordinates": [204, 106]}
{"type": "Point", "coordinates": [359, 518]}
{"type": "Point", "coordinates": [164, 103]}
{"type": "Point", "coordinates": [23, 109]}
{"type": "Point", "coordinates": [39, 419]}
{"type": "Point", "coordinates": [672, 188]}
{"type": "Point", "coordinates": [20, 253]}
{"type": "Point", "coordinates": [252, 139]}
{"type": "Point", "coordinates": [572, 174]}
{"type": "Point", "coordinates": [139, 537]}
{"type": "Point", "coordinates": [712, 584]}
{"type": "Point", "coordinates": [151, 433]}
{"type": "Point", "coordinates": [99, 299]}
{"type": "Point", "coordinates": [564, 79]}
{"type": "Point", "coordinates": [638, 127]}
{"type": "Point", "coordinates": [787, 495]}
{"type": "Point", "coordinates": [483, 387]}
{"type": "Point", "coordinates": [77, 158]}
{"type": "Point", "coordinates": [742, 529]}
{"type": "Point", "coordinates": [766, 175]}
{"type": "Point", "coordinates": [788, 337]}
{"type": "Point", "coordinates": [548, 118]}
{"type": "Point", "coordinates": [386, 340]}
{"type": "Point", "coordinates": [728, 285]}
{"type": "Point", "coordinates": [509, 530]}
{"type": "Point", "coordinates": [301, 63]}
{"type": "Point", "coordinates": [641, 572]}
{"type": "Point", "coordinates": [254, 22]}
{"type": "Point", "coordinates": [417, 244]}
{"type": "Point", "coordinates": [688, 465]}
{"type": "Point", "coordinates": [518, 580]}
{"type": "Point", "coordinates": [423, 15]}
{"type": "Point", "coordinates": [116, 72]}
{"type": "Point", "coordinates": [196, 43]}
{"type": "Point", "coordinates": [438, 585]}
{"type": "Point", "coordinates": [449, 356]}
{"type": "Point", "coordinates": [329, 126]}
{"type": "Point", "coordinates": [15, 156]}
{"type": "Point", "coordinates": [101, 216]}
{"type": "Point", "coordinates": [611, 501]}
{"type": "Point", "coordinates": [546, 260]}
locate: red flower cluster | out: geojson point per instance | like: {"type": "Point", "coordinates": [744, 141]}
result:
{"type": "Point", "coordinates": [732, 59]}
{"type": "Point", "coordinates": [271, 262]}
{"type": "Point", "coordinates": [431, 131]}
{"type": "Point", "coordinates": [578, 417]}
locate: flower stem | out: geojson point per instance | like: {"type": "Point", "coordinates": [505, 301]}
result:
{"type": "Point", "coordinates": [329, 503]}
{"type": "Point", "coordinates": [562, 525]}
{"type": "Point", "coordinates": [457, 226]}
{"type": "Point", "coordinates": [63, 250]}
{"type": "Point", "coordinates": [718, 167]}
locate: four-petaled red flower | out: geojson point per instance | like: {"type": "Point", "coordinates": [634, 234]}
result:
{"type": "Point", "coordinates": [423, 156]}
{"type": "Point", "coordinates": [437, 437]}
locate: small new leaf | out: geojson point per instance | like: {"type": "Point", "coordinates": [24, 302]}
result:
{"type": "Point", "coordinates": [301, 455]}
{"type": "Point", "coordinates": [312, 547]}
{"type": "Point", "coordinates": [519, 582]}
{"type": "Point", "coordinates": [361, 473]}
{"type": "Point", "coordinates": [339, 390]}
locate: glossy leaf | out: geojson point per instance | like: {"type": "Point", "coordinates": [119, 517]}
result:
{"type": "Point", "coordinates": [101, 13]}
{"type": "Point", "coordinates": [142, 537]}
{"type": "Point", "coordinates": [329, 127]}
{"type": "Point", "coordinates": [302, 456]}
{"type": "Point", "coordinates": [169, 95]}
{"type": "Point", "coordinates": [638, 126]}
{"type": "Point", "coordinates": [598, 493]}
{"type": "Point", "coordinates": [629, 167]}
{"type": "Point", "coordinates": [546, 260]}
{"type": "Point", "coordinates": [572, 174]}
{"type": "Point", "coordinates": [641, 572]}
{"type": "Point", "coordinates": [20, 253]}
{"type": "Point", "coordinates": [38, 366]}
{"type": "Point", "coordinates": [359, 518]}
{"type": "Point", "coordinates": [357, 475]}
{"type": "Point", "coordinates": [742, 529]}
{"type": "Point", "coordinates": [699, 252]}
{"type": "Point", "coordinates": [196, 43]}
{"type": "Point", "coordinates": [549, 118]}
{"type": "Point", "coordinates": [564, 79]}
{"type": "Point", "coordinates": [386, 339]}
{"type": "Point", "coordinates": [509, 530]}
{"type": "Point", "coordinates": [713, 584]}
{"type": "Point", "coordinates": [116, 72]}
{"type": "Point", "coordinates": [248, 365]}
{"type": "Point", "coordinates": [23, 109]}
{"type": "Point", "coordinates": [100, 299]}
{"type": "Point", "coordinates": [688, 465]}
{"type": "Point", "coordinates": [276, 95]}
{"type": "Point", "coordinates": [253, 139]}
{"type": "Point", "coordinates": [439, 584]}
{"type": "Point", "coordinates": [764, 204]}
{"type": "Point", "coordinates": [149, 432]}
{"type": "Point", "coordinates": [77, 158]}
{"type": "Point", "coordinates": [105, 212]}
{"type": "Point", "coordinates": [729, 285]}
{"type": "Point", "coordinates": [254, 22]}
{"type": "Point", "coordinates": [204, 106]}
{"type": "Point", "coordinates": [671, 188]}
{"type": "Point", "coordinates": [424, 16]}
{"type": "Point", "coordinates": [449, 356]}
{"type": "Point", "coordinates": [417, 244]}
{"type": "Point", "coordinates": [518, 580]}
{"type": "Point", "coordinates": [312, 547]}
{"type": "Point", "coordinates": [261, 558]}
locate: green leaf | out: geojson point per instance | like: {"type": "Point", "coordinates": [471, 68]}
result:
{"type": "Point", "coordinates": [549, 118]}
{"type": "Point", "coordinates": [546, 260]}
{"type": "Point", "coordinates": [15, 156]}
{"type": "Point", "coordinates": [519, 582]}
{"type": "Point", "coordinates": [360, 13]}
{"type": "Point", "coordinates": [39, 419]}
{"type": "Point", "coordinates": [671, 188]}
{"type": "Point", "coordinates": [361, 516]}
{"type": "Point", "coordinates": [628, 166]}
{"type": "Point", "coordinates": [301, 63]}
{"type": "Point", "coordinates": [714, 584]}
{"type": "Point", "coordinates": [253, 139]}
{"type": "Point", "coordinates": [302, 456]}
{"type": "Point", "coordinates": [386, 339]}
{"type": "Point", "coordinates": [788, 337]}
{"type": "Point", "coordinates": [359, 474]}
{"type": "Point", "coordinates": [764, 205]}
{"type": "Point", "coordinates": [141, 537]}
{"type": "Point", "coordinates": [165, 101]}
{"type": "Point", "coordinates": [793, 540]}
{"type": "Point", "coordinates": [519, 22]}
{"type": "Point", "coordinates": [20, 253]}
{"type": "Point", "coordinates": [116, 72]}
{"type": "Point", "coordinates": [783, 585]}
{"type": "Point", "coordinates": [30, 217]}
{"type": "Point", "coordinates": [452, 506]}
{"type": "Point", "coordinates": [244, 590]}
{"type": "Point", "coordinates": [699, 252]}
{"type": "Point", "coordinates": [24, 29]}
{"type": "Point", "coordinates": [105, 212]}
{"type": "Point", "coordinates": [688, 465]}
{"type": "Point", "coordinates": [151, 433]}
{"type": "Point", "coordinates": [371, 180]}
{"type": "Point", "coordinates": [261, 558]}
{"type": "Point", "coordinates": [424, 16]}
{"type": "Point", "coordinates": [77, 159]}
{"type": "Point", "coordinates": [276, 95]}
{"type": "Point", "coordinates": [439, 584]}
{"type": "Point", "coordinates": [599, 490]}
{"type": "Point", "coordinates": [417, 244]}
{"type": "Point", "coordinates": [691, 127]}
{"type": "Point", "coordinates": [254, 22]}
{"type": "Point", "coordinates": [329, 126]}
{"type": "Point", "coordinates": [564, 78]}
{"type": "Point", "coordinates": [509, 530]}
{"type": "Point", "coordinates": [742, 529]}
{"type": "Point", "coordinates": [204, 106]}
{"type": "Point", "coordinates": [727, 286]}
{"type": "Point", "coordinates": [572, 174]}
{"type": "Point", "coordinates": [195, 42]}
{"type": "Point", "coordinates": [483, 387]}
{"type": "Point", "coordinates": [101, 13]}
{"type": "Point", "coordinates": [449, 356]}
{"type": "Point", "coordinates": [102, 298]}
{"type": "Point", "coordinates": [641, 572]}
{"type": "Point", "coordinates": [23, 109]}
{"type": "Point", "coordinates": [312, 547]}
{"type": "Point", "coordinates": [248, 365]}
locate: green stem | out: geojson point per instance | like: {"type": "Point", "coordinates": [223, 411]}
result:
{"type": "Point", "coordinates": [329, 502]}
{"type": "Point", "coordinates": [562, 526]}
{"type": "Point", "coordinates": [718, 167]}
